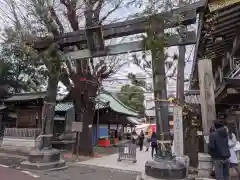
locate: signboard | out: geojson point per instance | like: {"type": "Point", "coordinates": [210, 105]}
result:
{"type": "Point", "coordinates": [178, 131]}
{"type": "Point", "coordinates": [77, 126]}
{"type": "Point", "coordinates": [126, 150]}
{"type": "Point", "coordinates": [207, 96]}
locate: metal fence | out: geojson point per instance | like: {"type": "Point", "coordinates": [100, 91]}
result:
{"type": "Point", "coordinates": [127, 152]}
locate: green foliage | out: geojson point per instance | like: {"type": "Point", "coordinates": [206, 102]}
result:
{"type": "Point", "coordinates": [132, 96]}
{"type": "Point", "coordinates": [153, 41]}
{"type": "Point", "coordinates": [136, 81]}
{"type": "Point", "coordinates": [18, 76]}
{"type": "Point", "coordinates": [17, 69]}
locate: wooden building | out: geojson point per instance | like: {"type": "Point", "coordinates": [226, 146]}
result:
{"type": "Point", "coordinates": [24, 110]}
{"type": "Point", "coordinates": [3, 114]}
{"type": "Point", "coordinates": [109, 110]}
{"type": "Point", "coordinates": [110, 113]}
{"type": "Point", "coordinates": [218, 41]}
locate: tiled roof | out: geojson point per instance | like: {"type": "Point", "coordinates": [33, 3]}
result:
{"type": "Point", "coordinates": [30, 96]}
{"type": "Point", "coordinates": [63, 106]}
{"type": "Point", "coordinates": [25, 97]}
{"type": "Point", "coordinates": [115, 104]}
{"type": "Point", "coordinates": [68, 105]}
{"type": "Point", "coordinates": [103, 99]}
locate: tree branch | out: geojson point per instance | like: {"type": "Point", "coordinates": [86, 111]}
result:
{"type": "Point", "coordinates": [54, 16]}
{"type": "Point", "coordinates": [111, 11]}
{"type": "Point", "coordinates": [71, 13]}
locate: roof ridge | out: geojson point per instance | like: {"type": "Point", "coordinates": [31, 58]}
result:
{"type": "Point", "coordinates": [27, 93]}
{"type": "Point", "coordinates": [119, 101]}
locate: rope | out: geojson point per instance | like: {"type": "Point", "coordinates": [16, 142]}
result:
{"type": "Point", "coordinates": [163, 144]}
{"type": "Point", "coordinates": [43, 135]}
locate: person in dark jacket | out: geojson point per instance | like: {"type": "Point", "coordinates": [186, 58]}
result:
{"type": "Point", "coordinates": [212, 129]}
{"type": "Point", "coordinates": [154, 142]}
{"type": "Point", "coordinates": [134, 137]}
{"type": "Point", "coordinates": [141, 139]}
{"type": "Point", "coordinates": [219, 151]}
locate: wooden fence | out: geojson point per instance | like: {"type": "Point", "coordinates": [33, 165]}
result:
{"type": "Point", "coordinates": [22, 132]}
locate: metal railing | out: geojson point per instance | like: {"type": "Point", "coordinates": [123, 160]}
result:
{"type": "Point", "coordinates": [231, 74]}
{"type": "Point", "coordinates": [127, 152]}
{"type": "Point", "coordinates": [234, 72]}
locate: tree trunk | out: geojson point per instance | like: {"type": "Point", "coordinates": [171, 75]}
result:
{"type": "Point", "coordinates": [85, 142]}
{"type": "Point", "coordinates": [48, 112]}
{"type": "Point", "coordinates": [84, 93]}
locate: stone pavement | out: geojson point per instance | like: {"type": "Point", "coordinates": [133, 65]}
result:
{"type": "Point", "coordinates": [111, 162]}
{"type": "Point", "coordinates": [86, 173]}
{"type": "Point", "coordinates": [7, 173]}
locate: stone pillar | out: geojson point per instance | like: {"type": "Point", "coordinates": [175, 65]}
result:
{"type": "Point", "coordinates": [69, 118]}
{"type": "Point", "coordinates": [204, 165]}
{"type": "Point", "coordinates": [178, 131]}
{"type": "Point", "coordinates": [46, 157]}
{"type": "Point", "coordinates": [159, 80]}
{"type": "Point", "coordinates": [207, 96]}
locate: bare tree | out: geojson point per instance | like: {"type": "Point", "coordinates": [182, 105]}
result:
{"type": "Point", "coordinates": [34, 20]}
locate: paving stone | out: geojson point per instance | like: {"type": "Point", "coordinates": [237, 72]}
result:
{"type": "Point", "coordinates": [111, 162]}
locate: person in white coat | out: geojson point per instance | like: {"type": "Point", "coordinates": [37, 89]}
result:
{"type": "Point", "coordinates": [232, 141]}
{"type": "Point", "coordinates": [147, 141]}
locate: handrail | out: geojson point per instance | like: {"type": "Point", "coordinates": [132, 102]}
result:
{"type": "Point", "coordinates": [234, 71]}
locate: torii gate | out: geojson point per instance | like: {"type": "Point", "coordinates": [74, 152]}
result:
{"type": "Point", "coordinates": [184, 15]}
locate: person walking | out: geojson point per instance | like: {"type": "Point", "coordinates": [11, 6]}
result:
{"type": "Point", "coordinates": [219, 151]}
{"type": "Point", "coordinates": [134, 137]}
{"type": "Point", "coordinates": [147, 141]}
{"type": "Point", "coordinates": [154, 142]}
{"type": "Point", "coordinates": [212, 129]}
{"type": "Point", "coordinates": [141, 139]}
{"type": "Point", "coordinates": [232, 141]}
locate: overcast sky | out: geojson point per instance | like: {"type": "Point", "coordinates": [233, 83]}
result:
{"type": "Point", "coordinates": [122, 14]}
{"type": "Point", "coordinates": [114, 84]}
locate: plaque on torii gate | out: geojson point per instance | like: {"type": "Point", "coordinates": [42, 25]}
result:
{"type": "Point", "coordinates": [95, 39]}
{"type": "Point", "coordinates": [93, 33]}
